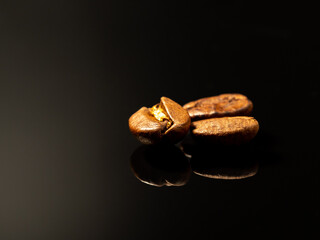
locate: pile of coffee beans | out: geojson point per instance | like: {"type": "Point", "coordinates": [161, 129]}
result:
{"type": "Point", "coordinates": [223, 119]}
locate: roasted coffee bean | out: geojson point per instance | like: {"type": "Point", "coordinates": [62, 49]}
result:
{"type": "Point", "coordinates": [226, 130]}
{"type": "Point", "coordinates": [164, 122]}
{"type": "Point", "coordinates": [223, 105]}
{"type": "Point", "coordinates": [160, 165]}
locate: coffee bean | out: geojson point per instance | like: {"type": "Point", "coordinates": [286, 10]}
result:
{"type": "Point", "coordinates": [219, 106]}
{"type": "Point", "coordinates": [164, 122]}
{"type": "Point", "coordinates": [160, 165]}
{"type": "Point", "coordinates": [226, 130]}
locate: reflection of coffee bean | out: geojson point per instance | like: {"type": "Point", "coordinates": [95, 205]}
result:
{"type": "Point", "coordinates": [227, 171]}
{"type": "Point", "coordinates": [226, 130]}
{"type": "Point", "coordinates": [160, 165]}
{"type": "Point", "coordinates": [219, 106]}
{"type": "Point", "coordinates": [166, 121]}
{"type": "Point", "coordinates": [222, 162]}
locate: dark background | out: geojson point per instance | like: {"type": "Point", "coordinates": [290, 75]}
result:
{"type": "Point", "coordinates": [72, 73]}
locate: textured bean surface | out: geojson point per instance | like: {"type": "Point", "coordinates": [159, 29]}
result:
{"type": "Point", "coordinates": [226, 130]}
{"type": "Point", "coordinates": [231, 104]}
{"type": "Point", "coordinates": [166, 121]}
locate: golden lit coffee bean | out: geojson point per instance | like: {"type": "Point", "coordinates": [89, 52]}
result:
{"type": "Point", "coordinates": [164, 122]}
{"type": "Point", "coordinates": [223, 105]}
{"type": "Point", "coordinates": [226, 130]}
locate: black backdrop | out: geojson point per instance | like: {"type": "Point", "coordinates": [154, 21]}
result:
{"type": "Point", "coordinates": [72, 73]}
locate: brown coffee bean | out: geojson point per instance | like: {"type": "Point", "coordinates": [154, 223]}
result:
{"type": "Point", "coordinates": [166, 121]}
{"type": "Point", "coordinates": [226, 130]}
{"type": "Point", "coordinates": [223, 105]}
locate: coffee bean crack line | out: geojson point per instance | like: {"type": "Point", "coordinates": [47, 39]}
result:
{"type": "Point", "coordinates": [161, 115]}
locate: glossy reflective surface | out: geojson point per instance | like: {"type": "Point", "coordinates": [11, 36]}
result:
{"type": "Point", "coordinates": [160, 165]}
{"type": "Point", "coordinates": [73, 72]}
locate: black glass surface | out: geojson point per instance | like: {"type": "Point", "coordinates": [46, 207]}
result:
{"type": "Point", "coordinates": [72, 73]}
